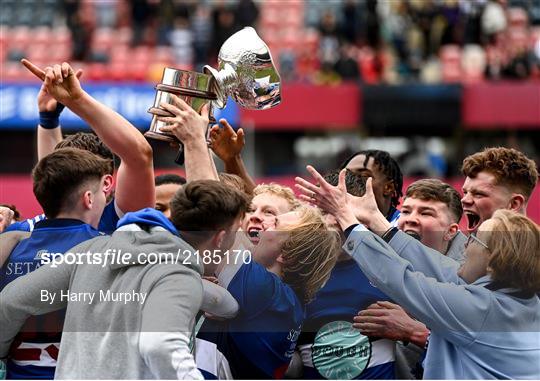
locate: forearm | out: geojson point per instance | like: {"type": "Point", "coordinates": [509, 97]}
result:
{"type": "Point", "coordinates": [197, 161]}
{"type": "Point", "coordinates": [8, 241]}
{"type": "Point", "coordinates": [22, 298]}
{"type": "Point", "coordinates": [114, 130]}
{"type": "Point", "coordinates": [218, 301]}
{"type": "Point", "coordinates": [212, 162]}
{"type": "Point", "coordinates": [47, 139]}
{"type": "Point", "coordinates": [236, 166]}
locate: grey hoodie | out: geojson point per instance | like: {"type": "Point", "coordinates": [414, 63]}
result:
{"type": "Point", "coordinates": [147, 336]}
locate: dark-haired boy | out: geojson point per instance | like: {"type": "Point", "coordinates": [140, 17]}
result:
{"type": "Point", "coordinates": [70, 185]}
{"type": "Point", "coordinates": [166, 186]}
{"type": "Point", "coordinates": [387, 179]}
{"type": "Point", "coordinates": [134, 340]}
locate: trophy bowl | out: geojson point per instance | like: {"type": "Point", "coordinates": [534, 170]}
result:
{"type": "Point", "coordinates": [246, 73]}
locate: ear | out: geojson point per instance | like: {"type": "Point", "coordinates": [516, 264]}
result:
{"type": "Point", "coordinates": [108, 183]}
{"type": "Point", "coordinates": [389, 188]}
{"type": "Point", "coordinates": [218, 239]}
{"type": "Point", "coordinates": [451, 232]}
{"type": "Point", "coordinates": [517, 202]}
{"type": "Point", "coordinates": [88, 200]}
{"type": "Point", "coordinates": [280, 260]}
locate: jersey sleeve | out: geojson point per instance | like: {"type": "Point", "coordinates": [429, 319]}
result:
{"type": "Point", "coordinates": [109, 218]}
{"type": "Point", "coordinates": [254, 288]}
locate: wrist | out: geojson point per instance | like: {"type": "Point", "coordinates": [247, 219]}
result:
{"type": "Point", "coordinates": [418, 335]}
{"type": "Point", "coordinates": [378, 224]}
{"type": "Point", "coordinates": [345, 219]}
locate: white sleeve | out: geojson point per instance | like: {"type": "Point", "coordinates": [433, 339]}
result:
{"type": "Point", "coordinates": [218, 301]}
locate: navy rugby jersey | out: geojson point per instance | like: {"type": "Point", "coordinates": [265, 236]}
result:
{"type": "Point", "coordinates": [34, 351]}
{"type": "Point", "coordinates": [329, 346]}
{"type": "Point", "coordinates": [107, 222]}
{"type": "Point", "coordinates": [260, 341]}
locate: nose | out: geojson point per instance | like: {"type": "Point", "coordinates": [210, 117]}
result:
{"type": "Point", "coordinates": [256, 216]}
{"type": "Point", "coordinates": [411, 219]}
{"type": "Point", "coordinates": [467, 199]}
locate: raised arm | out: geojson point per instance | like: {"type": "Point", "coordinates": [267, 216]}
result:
{"type": "Point", "coordinates": [454, 311]}
{"type": "Point", "coordinates": [136, 168]}
{"type": "Point", "coordinates": [189, 127]}
{"type": "Point", "coordinates": [228, 145]}
{"type": "Point", "coordinates": [350, 210]}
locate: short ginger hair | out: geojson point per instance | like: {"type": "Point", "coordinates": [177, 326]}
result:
{"type": "Point", "coordinates": [510, 167]}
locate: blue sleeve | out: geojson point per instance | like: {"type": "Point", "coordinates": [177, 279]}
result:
{"type": "Point", "coordinates": [424, 259]}
{"type": "Point", "coordinates": [254, 288]}
{"type": "Point", "coordinates": [18, 226]}
{"type": "Point", "coordinates": [109, 219]}
{"type": "Point", "coordinates": [454, 311]}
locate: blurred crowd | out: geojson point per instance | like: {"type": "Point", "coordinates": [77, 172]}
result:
{"type": "Point", "coordinates": [375, 41]}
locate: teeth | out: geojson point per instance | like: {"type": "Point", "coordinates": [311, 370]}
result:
{"type": "Point", "coordinates": [254, 233]}
{"type": "Point", "coordinates": [473, 219]}
{"type": "Point", "coordinates": [413, 234]}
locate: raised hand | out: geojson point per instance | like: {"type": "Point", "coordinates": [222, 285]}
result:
{"type": "Point", "coordinates": [6, 216]}
{"type": "Point", "coordinates": [59, 81]}
{"type": "Point", "coordinates": [46, 103]}
{"type": "Point", "coordinates": [225, 142]}
{"type": "Point", "coordinates": [186, 124]}
{"type": "Point", "coordinates": [332, 199]}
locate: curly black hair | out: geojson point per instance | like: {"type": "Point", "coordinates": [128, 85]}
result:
{"type": "Point", "coordinates": [388, 166]}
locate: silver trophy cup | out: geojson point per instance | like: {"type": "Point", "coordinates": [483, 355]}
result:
{"type": "Point", "coordinates": [245, 72]}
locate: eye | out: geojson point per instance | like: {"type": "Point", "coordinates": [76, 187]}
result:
{"type": "Point", "coordinates": [405, 212]}
{"type": "Point", "coordinates": [429, 214]}
{"type": "Point", "coordinates": [270, 212]}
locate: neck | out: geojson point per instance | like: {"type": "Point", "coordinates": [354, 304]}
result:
{"type": "Point", "coordinates": [76, 216]}
{"type": "Point", "coordinates": [444, 247]}
{"type": "Point", "coordinates": [276, 269]}
{"type": "Point", "coordinates": [387, 207]}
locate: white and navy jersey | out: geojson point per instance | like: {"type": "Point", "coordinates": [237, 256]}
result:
{"type": "Point", "coordinates": [260, 341]}
{"type": "Point", "coordinates": [107, 223]}
{"type": "Point", "coordinates": [393, 216]}
{"type": "Point", "coordinates": [34, 351]}
{"type": "Point", "coordinates": [329, 346]}
{"type": "Point", "coordinates": [26, 225]}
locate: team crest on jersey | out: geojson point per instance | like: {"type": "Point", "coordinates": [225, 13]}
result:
{"type": "Point", "coordinates": [340, 351]}
{"type": "Point", "coordinates": [39, 255]}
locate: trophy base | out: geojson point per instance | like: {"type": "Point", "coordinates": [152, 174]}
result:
{"type": "Point", "coordinates": [162, 137]}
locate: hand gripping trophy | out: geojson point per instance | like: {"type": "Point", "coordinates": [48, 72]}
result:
{"type": "Point", "coordinates": [245, 72]}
